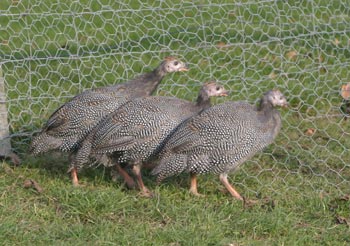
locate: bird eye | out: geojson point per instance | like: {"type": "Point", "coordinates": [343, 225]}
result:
{"type": "Point", "coordinates": [217, 88]}
{"type": "Point", "coordinates": [176, 63]}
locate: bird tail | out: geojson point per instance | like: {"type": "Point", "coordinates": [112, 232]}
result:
{"type": "Point", "coordinates": [43, 143]}
{"type": "Point", "coordinates": [170, 166]}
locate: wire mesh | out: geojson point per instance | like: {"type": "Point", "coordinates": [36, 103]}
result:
{"type": "Point", "coordinates": [52, 50]}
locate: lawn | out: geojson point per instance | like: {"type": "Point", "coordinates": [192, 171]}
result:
{"type": "Point", "coordinates": [52, 50]}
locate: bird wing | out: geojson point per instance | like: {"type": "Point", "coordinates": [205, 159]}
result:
{"type": "Point", "coordinates": [79, 112]}
{"type": "Point", "coordinates": [140, 122]}
{"type": "Point", "coordinates": [128, 126]}
{"type": "Point", "coordinates": [214, 126]}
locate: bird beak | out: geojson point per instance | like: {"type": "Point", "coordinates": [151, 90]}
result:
{"type": "Point", "coordinates": [184, 69]}
{"type": "Point", "coordinates": [224, 94]}
{"type": "Point", "coordinates": [285, 105]}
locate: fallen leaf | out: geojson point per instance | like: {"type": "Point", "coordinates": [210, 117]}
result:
{"type": "Point", "coordinates": [345, 91]}
{"type": "Point", "coordinates": [342, 220]}
{"type": "Point", "coordinates": [232, 13]}
{"type": "Point", "coordinates": [302, 224]}
{"type": "Point", "coordinates": [29, 183]}
{"type": "Point", "coordinates": [345, 198]}
{"type": "Point", "coordinates": [272, 75]}
{"type": "Point", "coordinates": [336, 42]}
{"type": "Point", "coordinates": [320, 59]}
{"type": "Point", "coordinates": [310, 132]}
{"type": "Point", "coordinates": [221, 45]}
{"type": "Point", "coordinates": [291, 54]}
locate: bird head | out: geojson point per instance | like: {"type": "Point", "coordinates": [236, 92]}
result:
{"type": "Point", "coordinates": [276, 98]}
{"type": "Point", "coordinates": [172, 64]}
{"type": "Point", "coordinates": [213, 88]}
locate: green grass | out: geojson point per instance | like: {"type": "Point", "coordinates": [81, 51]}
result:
{"type": "Point", "coordinates": [52, 50]}
{"type": "Point", "coordinates": [103, 213]}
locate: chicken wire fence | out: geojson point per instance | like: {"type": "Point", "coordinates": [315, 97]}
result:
{"type": "Point", "coordinates": [52, 50]}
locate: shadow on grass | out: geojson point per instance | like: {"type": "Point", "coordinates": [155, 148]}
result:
{"type": "Point", "coordinates": [56, 165]}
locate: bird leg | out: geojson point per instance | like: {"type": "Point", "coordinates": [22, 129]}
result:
{"type": "Point", "coordinates": [233, 192]}
{"type": "Point", "coordinates": [144, 190]}
{"type": "Point", "coordinates": [193, 188]}
{"type": "Point", "coordinates": [74, 175]}
{"type": "Point", "coordinates": [15, 159]}
{"type": "Point", "coordinates": [130, 183]}
{"type": "Point", "coordinates": [73, 171]}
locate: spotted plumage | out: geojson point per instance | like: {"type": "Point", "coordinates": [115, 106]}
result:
{"type": "Point", "coordinates": [135, 132]}
{"type": "Point", "coordinates": [68, 126]}
{"type": "Point", "coordinates": [220, 139]}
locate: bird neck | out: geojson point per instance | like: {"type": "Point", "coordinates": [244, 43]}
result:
{"type": "Point", "coordinates": [154, 78]}
{"type": "Point", "coordinates": [146, 84]}
{"type": "Point", "coordinates": [203, 100]}
{"type": "Point", "coordinates": [269, 116]}
{"type": "Point", "coordinates": [160, 71]}
{"type": "Point", "coordinates": [264, 105]}
{"type": "Point", "coordinates": [266, 109]}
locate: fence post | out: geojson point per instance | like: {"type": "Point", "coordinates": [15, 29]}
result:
{"type": "Point", "coordinates": [5, 140]}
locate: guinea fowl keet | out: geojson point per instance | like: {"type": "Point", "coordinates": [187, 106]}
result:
{"type": "Point", "coordinates": [135, 132]}
{"type": "Point", "coordinates": [68, 126]}
{"type": "Point", "coordinates": [220, 139]}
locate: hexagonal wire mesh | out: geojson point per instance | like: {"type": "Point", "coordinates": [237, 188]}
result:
{"type": "Point", "coordinates": [52, 50]}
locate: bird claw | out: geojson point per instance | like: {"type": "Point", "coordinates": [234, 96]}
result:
{"type": "Point", "coordinates": [195, 193]}
{"type": "Point", "coordinates": [146, 193]}
{"type": "Point", "coordinates": [248, 203]}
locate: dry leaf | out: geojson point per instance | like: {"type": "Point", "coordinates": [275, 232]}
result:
{"type": "Point", "coordinates": [310, 132]}
{"type": "Point", "coordinates": [292, 54]}
{"type": "Point", "coordinates": [336, 42]}
{"type": "Point", "coordinates": [320, 59]}
{"type": "Point", "coordinates": [342, 220]}
{"type": "Point", "coordinates": [29, 183]}
{"type": "Point", "coordinates": [272, 75]}
{"type": "Point", "coordinates": [221, 45]}
{"type": "Point", "coordinates": [345, 198]}
{"type": "Point", "coordinates": [302, 224]}
{"type": "Point", "coordinates": [232, 13]}
{"type": "Point", "coordinates": [345, 91]}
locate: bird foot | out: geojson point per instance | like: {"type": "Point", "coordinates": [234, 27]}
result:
{"type": "Point", "coordinates": [248, 203]}
{"type": "Point", "coordinates": [146, 193]}
{"type": "Point", "coordinates": [15, 159]}
{"type": "Point", "coordinates": [196, 193]}
{"type": "Point", "coordinates": [78, 185]}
